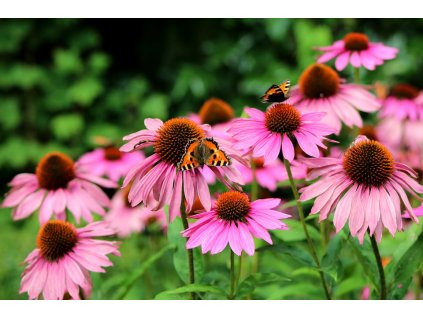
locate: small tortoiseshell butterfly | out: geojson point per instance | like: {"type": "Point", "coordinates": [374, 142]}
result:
{"type": "Point", "coordinates": [199, 152]}
{"type": "Point", "coordinates": [277, 93]}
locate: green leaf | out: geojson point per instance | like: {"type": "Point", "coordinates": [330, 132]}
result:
{"type": "Point", "coordinates": [67, 126]}
{"type": "Point", "coordinates": [331, 263]}
{"type": "Point", "coordinates": [155, 106]}
{"type": "Point", "coordinates": [10, 115]}
{"type": "Point", "coordinates": [85, 91]}
{"type": "Point", "coordinates": [365, 257]}
{"type": "Point", "coordinates": [123, 291]}
{"type": "Point", "coordinates": [67, 61]}
{"type": "Point", "coordinates": [405, 268]}
{"type": "Point", "coordinates": [348, 285]}
{"type": "Point", "coordinates": [180, 257]}
{"type": "Point", "coordinates": [196, 288]}
{"type": "Point", "coordinates": [99, 62]}
{"type": "Point", "coordinates": [296, 253]}
{"type": "Point", "coordinates": [296, 232]}
{"type": "Point", "coordinates": [250, 283]}
{"type": "Point", "coordinates": [321, 36]}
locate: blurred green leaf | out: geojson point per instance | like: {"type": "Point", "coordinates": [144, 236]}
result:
{"type": "Point", "coordinates": [67, 61]}
{"type": "Point", "coordinates": [405, 268]}
{"type": "Point", "coordinates": [180, 257]}
{"type": "Point", "coordinates": [154, 106]}
{"type": "Point", "coordinates": [296, 232]}
{"type": "Point", "coordinates": [197, 288]}
{"type": "Point", "coordinates": [85, 91]}
{"type": "Point", "coordinates": [67, 126]}
{"type": "Point", "coordinates": [251, 282]}
{"type": "Point", "coordinates": [99, 62]}
{"type": "Point", "coordinates": [10, 115]}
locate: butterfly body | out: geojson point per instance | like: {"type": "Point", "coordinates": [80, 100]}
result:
{"type": "Point", "coordinates": [199, 152]}
{"type": "Point", "coordinates": [277, 93]}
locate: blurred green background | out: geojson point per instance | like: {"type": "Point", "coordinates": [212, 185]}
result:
{"type": "Point", "coordinates": [63, 82]}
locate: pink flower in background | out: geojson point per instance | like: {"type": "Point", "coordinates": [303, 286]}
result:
{"type": "Point", "coordinates": [269, 175]}
{"type": "Point", "coordinates": [401, 135]}
{"type": "Point", "coordinates": [63, 259]}
{"type": "Point", "coordinates": [321, 90]}
{"type": "Point", "coordinates": [235, 220]}
{"type": "Point", "coordinates": [357, 50]}
{"type": "Point", "coordinates": [110, 162]}
{"type": "Point", "coordinates": [366, 187]}
{"type": "Point", "coordinates": [270, 132]}
{"type": "Point", "coordinates": [126, 220]}
{"type": "Point", "coordinates": [157, 181]}
{"type": "Point", "coordinates": [403, 102]}
{"type": "Point", "coordinates": [57, 184]}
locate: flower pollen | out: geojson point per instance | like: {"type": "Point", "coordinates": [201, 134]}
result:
{"type": "Point", "coordinates": [215, 111]}
{"type": "Point", "coordinates": [356, 42]}
{"type": "Point", "coordinates": [368, 163]}
{"type": "Point", "coordinates": [319, 81]}
{"type": "Point", "coordinates": [282, 118]}
{"type": "Point", "coordinates": [233, 206]}
{"type": "Point", "coordinates": [173, 137]}
{"type": "Point", "coordinates": [56, 239]}
{"type": "Point", "coordinates": [55, 170]}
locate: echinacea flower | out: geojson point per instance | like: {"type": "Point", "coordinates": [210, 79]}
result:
{"type": "Point", "coordinates": [64, 258]}
{"type": "Point", "coordinates": [125, 219]}
{"type": "Point", "coordinates": [400, 135]}
{"type": "Point", "coordinates": [356, 49]}
{"type": "Point", "coordinates": [58, 183]}
{"type": "Point", "coordinates": [110, 162]}
{"type": "Point", "coordinates": [320, 89]}
{"type": "Point", "coordinates": [270, 132]}
{"type": "Point", "coordinates": [403, 102]}
{"type": "Point", "coordinates": [269, 175]}
{"type": "Point", "coordinates": [157, 181]}
{"type": "Point", "coordinates": [235, 220]}
{"type": "Point", "coordinates": [366, 187]}
{"type": "Point", "coordinates": [214, 112]}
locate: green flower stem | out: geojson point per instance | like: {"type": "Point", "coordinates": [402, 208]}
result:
{"type": "Point", "coordinates": [232, 276]}
{"type": "Point", "coordinates": [254, 184]}
{"type": "Point", "coordinates": [379, 267]}
{"type": "Point", "coordinates": [357, 75]}
{"type": "Point", "coordinates": [190, 251]}
{"type": "Point", "coordinates": [302, 219]}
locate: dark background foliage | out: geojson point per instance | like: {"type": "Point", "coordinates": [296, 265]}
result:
{"type": "Point", "coordinates": [65, 82]}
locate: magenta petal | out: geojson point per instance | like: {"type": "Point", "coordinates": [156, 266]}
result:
{"type": "Point", "coordinates": [342, 60]}
{"type": "Point", "coordinates": [287, 148]}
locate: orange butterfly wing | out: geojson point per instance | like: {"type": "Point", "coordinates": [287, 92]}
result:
{"type": "Point", "coordinates": [188, 160]}
{"type": "Point", "coordinates": [218, 158]}
{"type": "Point", "coordinates": [277, 93]}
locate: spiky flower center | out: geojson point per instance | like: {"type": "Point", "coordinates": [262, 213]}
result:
{"type": "Point", "coordinates": [282, 118]}
{"type": "Point", "coordinates": [258, 162]}
{"type": "Point", "coordinates": [56, 239]}
{"type": "Point", "coordinates": [319, 81]}
{"type": "Point", "coordinates": [215, 111]}
{"type": "Point", "coordinates": [356, 42]}
{"type": "Point", "coordinates": [173, 138]}
{"type": "Point", "coordinates": [112, 153]}
{"type": "Point", "coordinates": [368, 131]}
{"type": "Point", "coordinates": [404, 91]}
{"type": "Point", "coordinates": [55, 170]}
{"type": "Point", "coordinates": [233, 206]}
{"type": "Point", "coordinates": [369, 163]}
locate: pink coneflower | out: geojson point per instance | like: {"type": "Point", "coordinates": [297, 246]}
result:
{"type": "Point", "coordinates": [321, 90]}
{"type": "Point", "coordinates": [269, 175]}
{"type": "Point", "coordinates": [356, 49]}
{"type": "Point", "coordinates": [63, 259]}
{"type": "Point", "coordinates": [401, 135]}
{"type": "Point", "coordinates": [270, 132]}
{"type": "Point", "coordinates": [159, 174]}
{"type": "Point", "coordinates": [235, 220]}
{"type": "Point", "coordinates": [366, 187]}
{"type": "Point", "coordinates": [403, 102]}
{"type": "Point", "coordinates": [58, 183]}
{"type": "Point", "coordinates": [110, 162]}
{"type": "Point", "coordinates": [125, 219]}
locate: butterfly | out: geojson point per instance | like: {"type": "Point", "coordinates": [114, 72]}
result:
{"type": "Point", "coordinates": [199, 152]}
{"type": "Point", "coordinates": [277, 93]}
